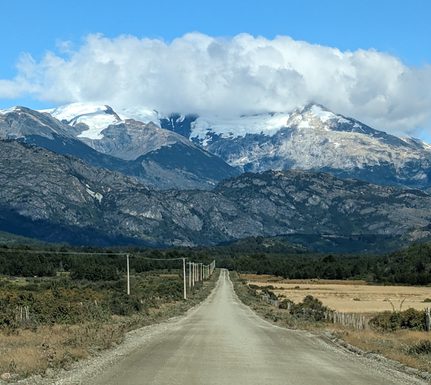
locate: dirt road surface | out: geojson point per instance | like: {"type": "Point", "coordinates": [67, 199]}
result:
{"type": "Point", "coordinates": [223, 342]}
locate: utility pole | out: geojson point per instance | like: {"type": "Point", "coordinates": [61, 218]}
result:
{"type": "Point", "coordinates": [212, 267]}
{"type": "Point", "coordinates": [193, 274]}
{"type": "Point", "coordinates": [190, 275]}
{"type": "Point", "coordinates": [184, 278]}
{"type": "Point", "coordinates": [128, 274]}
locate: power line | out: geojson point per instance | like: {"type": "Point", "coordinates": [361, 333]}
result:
{"type": "Point", "coordinates": [85, 253]}
{"type": "Point", "coordinates": [57, 252]}
{"type": "Point", "coordinates": [196, 270]}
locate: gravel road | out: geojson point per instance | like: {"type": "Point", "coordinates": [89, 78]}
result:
{"type": "Point", "coordinates": [223, 342]}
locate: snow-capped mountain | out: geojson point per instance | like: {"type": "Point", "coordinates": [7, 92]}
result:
{"type": "Point", "coordinates": [99, 136]}
{"type": "Point", "coordinates": [310, 138]}
{"type": "Point", "coordinates": [117, 134]}
{"type": "Point", "coordinates": [55, 197]}
{"type": "Point", "coordinates": [94, 118]}
{"type": "Point", "coordinates": [126, 133]}
{"type": "Point", "coordinates": [20, 122]}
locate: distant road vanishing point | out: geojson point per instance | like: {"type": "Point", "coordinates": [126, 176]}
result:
{"type": "Point", "coordinates": [223, 342]}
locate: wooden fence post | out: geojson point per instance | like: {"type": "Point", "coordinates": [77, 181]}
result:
{"type": "Point", "coordinates": [427, 319]}
{"type": "Point", "coordinates": [356, 321]}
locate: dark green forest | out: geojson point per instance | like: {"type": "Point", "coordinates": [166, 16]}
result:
{"type": "Point", "coordinates": [410, 266]}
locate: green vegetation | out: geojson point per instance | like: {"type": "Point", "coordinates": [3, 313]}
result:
{"type": "Point", "coordinates": [67, 301]}
{"type": "Point", "coordinates": [108, 265]}
{"type": "Point", "coordinates": [13, 239]}
{"type": "Point", "coordinates": [422, 347]}
{"type": "Point", "coordinates": [50, 322]}
{"type": "Point", "coordinates": [410, 266]}
{"type": "Point", "coordinates": [59, 304]}
{"type": "Point", "coordinates": [310, 309]}
{"type": "Point", "coordinates": [395, 320]}
{"type": "Point", "coordinates": [308, 313]}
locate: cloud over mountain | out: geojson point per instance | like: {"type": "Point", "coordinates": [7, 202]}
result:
{"type": "Point", "coordinates": [237, 75]}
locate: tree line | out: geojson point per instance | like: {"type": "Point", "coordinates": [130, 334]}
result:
{"type": "Point", "coordinates": [411, 265]}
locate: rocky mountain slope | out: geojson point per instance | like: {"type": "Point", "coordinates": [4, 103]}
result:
{"type": "Point", "coordinates": [310, 138]}
{"type": "Point", "coordinates": [59, 198]}
{"type": "Point", "coordinates": [158, 157]}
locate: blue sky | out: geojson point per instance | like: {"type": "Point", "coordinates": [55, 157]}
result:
{"type": "Point", "coordinates": [402, 28]}
{"type": "Point", "coordinates": [399, 28]}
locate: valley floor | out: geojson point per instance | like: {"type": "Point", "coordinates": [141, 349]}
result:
{"type": "Point", "coordinates": [350, 297]}
{"type": "Point", "coordinates": [223, 342]}
{"type": "Point", "coordinates": [41, 351]}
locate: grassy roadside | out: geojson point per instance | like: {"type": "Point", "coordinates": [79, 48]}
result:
{"type": "Point", "coordinates": [410, 348]}
{"type": "Point", "coordinates": [85, 319]}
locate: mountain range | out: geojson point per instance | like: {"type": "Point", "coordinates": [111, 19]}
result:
{"type": "Point", "coordinates": [307, 138]}
{"type": "Point", "coordinates": [89, 174]}
{"type": "Point", "coordinates": [159, 158]}
{"type": "Point", "coordinates": [310, 138]}
{"type": "Point", "coordinates": [56, 197]}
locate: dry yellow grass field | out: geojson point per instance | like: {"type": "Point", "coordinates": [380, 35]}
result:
{"type": "Point", "coordinates": [391, 345]}
{"type": "Point", "coordinates": [27, 352]}
{"type": "Point", "coordinates": [347, 296]}
{"type": "Point", "coordinates": [340, 296]}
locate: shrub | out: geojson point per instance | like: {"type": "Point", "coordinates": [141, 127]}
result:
{"type": "Point", "coordinates": [390, 321]}
{"type": "Point", "coordinates": [285, 304]}
{"type": "Point", "coordinates": [123, 304]}
{"type": "Point", "coordinates": [270, 294]}
{"type": "Point", "coordinates": [7, 314]}
{"type": "Point", "coordinates": [422, 347]}
{"type": "Point", "coordinates": [169, 290]}
{"type": "Point", "coordinates": [413, 319]}
{"type": "Point", "coordinates": [310, 309]}
{"type": "Point", "coordinates": [93, 272]}
{"type": "Point", "coordinates": [386, 321]}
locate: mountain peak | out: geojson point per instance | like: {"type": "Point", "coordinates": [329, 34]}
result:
{"type": "Point", "coordinates": [16, 109]}
{"type": "Point", "coordinates": [318, 112]}
{"type": "Point", "coordinates": [8, 110]}
{"type": "Point", "coordinates": [313, 106]}
{"type": "Point", "coordinates": [72, 111]}
{"type": "Point", "coordinates": [95, 116]}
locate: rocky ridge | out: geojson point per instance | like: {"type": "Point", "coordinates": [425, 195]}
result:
{"type": "Point", "coordinates": [59, 198]}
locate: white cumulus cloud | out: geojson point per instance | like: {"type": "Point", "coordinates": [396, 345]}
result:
{"type": "Point", "coordinates": [230, 76]}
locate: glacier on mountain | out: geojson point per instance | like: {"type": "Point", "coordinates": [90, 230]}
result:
{"type": "Point", "coordinates": [309, 138]}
